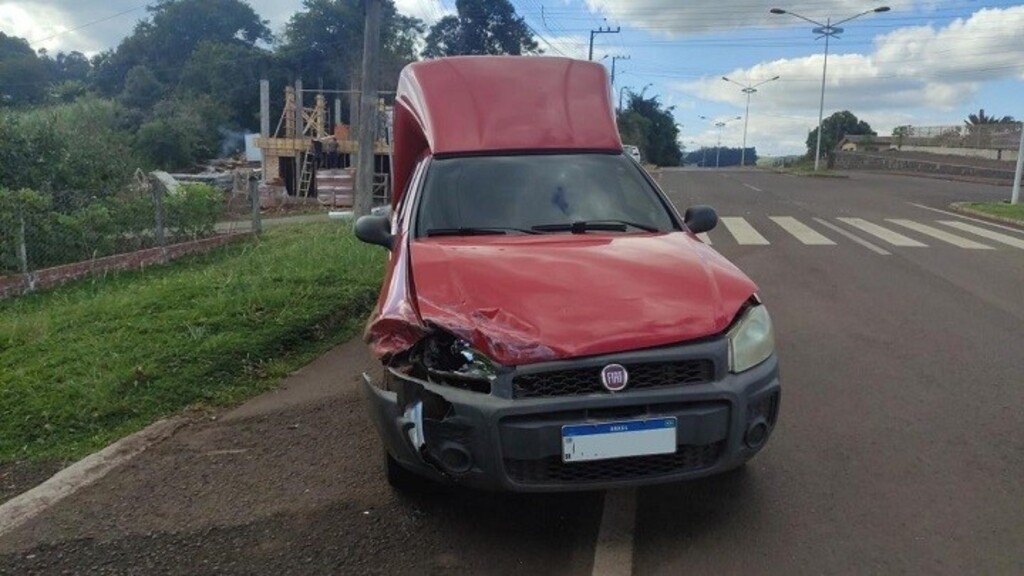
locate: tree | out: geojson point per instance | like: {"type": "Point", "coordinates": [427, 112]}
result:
{"type": "Point", "coordinates": [324, 41]}
{"type": "Point", "coordinates": [141, 89]}
{"type": "Point", "coordinates": [833, 129]}
{"type": "Point", "coordinates": [23, 75]}
{"type": "Point", "coordinates": [981, 119]}
{"type": "Point", "coordinates": [480, 27]}
{"type": "Point", "coordinates": [651, 126]}
{"type": "Point", "coordinates": [166, 40]}
{"type": "Point", "coordinates": [228, 73]}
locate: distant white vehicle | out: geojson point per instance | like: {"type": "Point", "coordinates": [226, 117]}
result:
{"type": "Point", "coordinates": [633, 151]}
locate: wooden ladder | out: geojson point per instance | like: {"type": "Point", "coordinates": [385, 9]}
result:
{"type": "Point", "coordinates": [306, 177]}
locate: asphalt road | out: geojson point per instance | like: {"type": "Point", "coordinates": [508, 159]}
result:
{"type": "Point", "coordinates": [900, 446]}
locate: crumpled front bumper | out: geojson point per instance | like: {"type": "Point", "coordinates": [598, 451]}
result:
{"type": "Point", "coordinates": [497, 442]}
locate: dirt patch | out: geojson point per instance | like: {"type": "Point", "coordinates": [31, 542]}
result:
{"type": "Point", "coordinates": [20, 477]}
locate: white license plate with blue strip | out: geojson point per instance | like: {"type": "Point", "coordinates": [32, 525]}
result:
{"type": "Point", "coordinates": [583, 442]}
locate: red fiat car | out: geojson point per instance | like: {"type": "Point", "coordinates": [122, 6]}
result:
{"type": "Point", "coordinates": [548, 320]}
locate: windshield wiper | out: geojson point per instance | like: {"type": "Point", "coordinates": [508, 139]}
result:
{"type": "Point", "coordinates": [472, 231]}
{"type": "Point", "coordinates": [582, 226]}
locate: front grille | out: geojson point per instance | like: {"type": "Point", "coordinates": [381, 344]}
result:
{"type": "Point", "coordinates": [553, 471]}
{"type": "Point", "coordinates": [578, 381]}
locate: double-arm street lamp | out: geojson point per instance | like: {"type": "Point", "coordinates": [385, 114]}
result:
{"type": "Point", "coordinates": [631, 92]}
{"type": "Point", "coordinates": [826, 31]}
{"type": "Point", "coordinates": [720, 125]}
{"type": "Point", "coordinates": [748, 89]}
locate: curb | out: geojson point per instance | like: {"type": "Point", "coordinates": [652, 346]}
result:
{"type": "Point", "coordinates": [86, 471]}
{"type": "Point", "coordinates": [963, 209]}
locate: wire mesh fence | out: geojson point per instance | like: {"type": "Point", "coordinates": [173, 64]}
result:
{"type": "Point", "coordinates": [40, 230]}
{"type": "Point", "coordinates": [996, 136]}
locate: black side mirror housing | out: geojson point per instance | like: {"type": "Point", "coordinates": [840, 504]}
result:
{"type": "Point", "coordinates": [375, 230]}
{"type": "Point", "coordinates": [700, 219]}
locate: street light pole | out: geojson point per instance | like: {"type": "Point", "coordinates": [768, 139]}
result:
{"type": "Point", "coordinates": [826, 30]}
{"type": "Point", "coordinates": [718, 147]}
{"type": "Point", "coordinates": [620, 95]}
{"type": "Point", "coordinates": [748, 89]}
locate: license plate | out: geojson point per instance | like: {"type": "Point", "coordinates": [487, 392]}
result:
{"type": "Point", "coordinates": [583, 442]}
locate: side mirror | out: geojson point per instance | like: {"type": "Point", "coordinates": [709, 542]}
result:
{"type": "Point", "coordinates": [700, 219]}
{"type": "Point", "coordinates": [375, 230]}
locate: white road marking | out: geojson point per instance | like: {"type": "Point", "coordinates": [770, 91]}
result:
{"type": "Point", "coordinates": [801, 231]}
{"type": "Point", "coordinates": [940, 235]}
{"type": "Point", "coordinates": [743, 232]}
{"type": "Point", "coordinates": [894, 238]}
{"type": "Point", "coordinates": [985, 233]}
{"type": "Point", "coordinates": [613, 553]}
{"type": "Point", "coordinates": [754, 188]}
{"type": "Point", "coordinates": [21, 509]}
{"type": "Point", "coordinates": [704, 238]}
{"type": "Point", "coordinates": [963, 217]}
{"type": "Point", "coordinates": [853, 237]}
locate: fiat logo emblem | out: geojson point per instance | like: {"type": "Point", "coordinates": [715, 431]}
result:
{"type": "Point", "coordinates": [614, 377]}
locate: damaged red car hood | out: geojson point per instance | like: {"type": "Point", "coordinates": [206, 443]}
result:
{"type": "Point", "coordinates": [527, 299]}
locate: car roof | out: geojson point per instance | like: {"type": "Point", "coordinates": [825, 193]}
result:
{"type": "Point", "coordinates": [480, 104]}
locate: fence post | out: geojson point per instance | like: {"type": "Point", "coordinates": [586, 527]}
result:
{"type": "Point", "coordinates": [156, 187]}
{"type": "Point", "coordinates": [22, 248]}
{"type": "Point", "coordinates": [254, 200]}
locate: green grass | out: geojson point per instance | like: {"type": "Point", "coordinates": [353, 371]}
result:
{"type": "Point", "coordinates": [93, 361]}
{"type": "Point", "coordinates": [1003, 210]}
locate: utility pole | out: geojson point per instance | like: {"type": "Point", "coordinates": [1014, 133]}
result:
{"type": "Point", "coordinates": [604, 30]}
{"type": "Point", "coordinates": [614, 58]}
{"type": "Point", "coordinates": [1015, 196]}
{"type": "Point", "coordinates": [368, 110]}
{"type": "Point", "coordinates": [620, 95]}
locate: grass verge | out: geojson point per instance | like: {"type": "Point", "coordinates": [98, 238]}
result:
{"type": "Point", "coordinates": [1013, 212]}
{"type": "Point", "coordinates": [96, 360]}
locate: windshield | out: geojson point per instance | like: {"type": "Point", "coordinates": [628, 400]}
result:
{"type": "Point", "coordinates": [516, 194]}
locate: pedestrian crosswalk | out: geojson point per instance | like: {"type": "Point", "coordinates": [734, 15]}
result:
{"type": "Point", "coordinates": [877, 234]}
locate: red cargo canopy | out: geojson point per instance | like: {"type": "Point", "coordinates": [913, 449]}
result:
{"type": "Point", "coordinates": [480, 104]}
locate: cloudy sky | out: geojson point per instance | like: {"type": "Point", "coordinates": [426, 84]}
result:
{"type": "Point", "coordinates": [926, 62]}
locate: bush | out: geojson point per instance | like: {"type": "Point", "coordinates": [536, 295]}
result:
{"type": "Point", "coordinates": [193, 211]}
{"type": "Point", "coordinates": [103, 227]}
{"type": "Point", "coordinates": [76, 152]}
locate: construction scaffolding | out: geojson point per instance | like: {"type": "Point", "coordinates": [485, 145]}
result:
{"type": "Point", "coordinates": [309, 157]}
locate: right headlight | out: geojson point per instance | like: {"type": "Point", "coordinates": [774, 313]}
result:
{"type": "Point", "coordinates": [751, 340]}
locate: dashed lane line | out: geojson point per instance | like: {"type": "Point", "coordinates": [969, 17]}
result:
{"type": "Point", "coordinates": [752, 187]}
{"type": "Point", "coordinates": [940, 235]}
{"type": "Point", "coordinates": [801, 231]}
{"type": "Point", "coordinates": [853, 237]}
{"type": "Point", "coordinates": [894, 238]}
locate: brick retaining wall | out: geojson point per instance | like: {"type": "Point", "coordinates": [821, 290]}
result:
{"type": "Point", "coordinates": [18, 284]}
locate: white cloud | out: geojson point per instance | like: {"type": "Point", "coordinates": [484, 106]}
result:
{"type": "Point", "coordinates": [673, 17]}
{"type": "Point", "coordinates": [429, 11]}
{"type": "Point", "coordinates": [911, 71]}
{"type": "Point", "coordinates": [569, 46]}
{"type": "Point", "coordinates": [46, 26]}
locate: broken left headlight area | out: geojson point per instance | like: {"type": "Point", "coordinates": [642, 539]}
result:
{"type": "Point", "coordinates": [445, 359]}
{"type": "Point", "coordinates": [438, 425]}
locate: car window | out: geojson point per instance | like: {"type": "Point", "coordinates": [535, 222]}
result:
{"type": "Point", "coordinates": [532, 190]}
